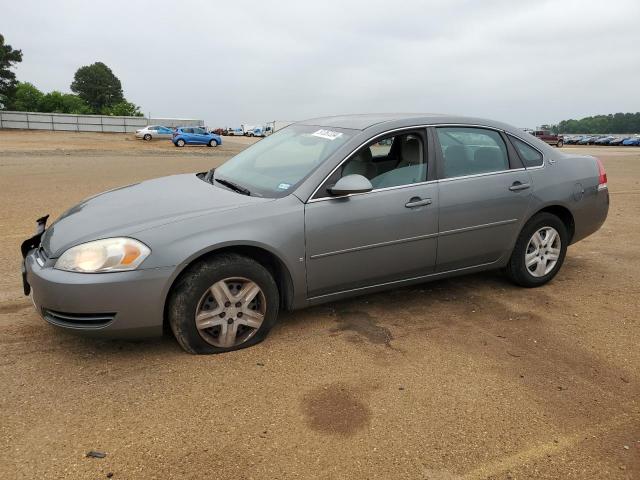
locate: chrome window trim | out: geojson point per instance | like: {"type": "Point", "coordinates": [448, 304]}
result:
{"type": "Point", "coordinates": [484, 174]}
{"type": "Point", "coordinates": [400, 129]}
{"type": "Point", "coordinates": [396, 187]}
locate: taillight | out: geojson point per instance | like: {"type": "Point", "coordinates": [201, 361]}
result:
{"type": "Point", "coordinates": [602, 175]}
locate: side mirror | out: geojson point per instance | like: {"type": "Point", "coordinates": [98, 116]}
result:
{"type": "Point", "coordinates": [351, 184]}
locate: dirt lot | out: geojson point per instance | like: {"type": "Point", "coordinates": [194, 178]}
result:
{"type": "Point", "coordinates": [464, 378]}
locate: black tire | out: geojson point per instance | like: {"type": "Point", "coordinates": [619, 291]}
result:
{"type": "Point", "coordinates": [559, 144]}
{"type": "Point", "coordinates": [516, 269]}
{"type": "Point", "coordinates": [192, 285]}
{"type": "Point", "coordinates": [180, 143]}
{"type": "Point", "coordinates": [212, 143]}
{"type": "Point", "coordinates": [146, 137]}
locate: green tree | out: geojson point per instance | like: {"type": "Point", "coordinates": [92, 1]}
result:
{"type": "Point", "coordinates": [58, 102]}
{"type": "Point", "coordinates": [98, 86]}
{"type": "Point", "coordinates": [611, 123]}
{"type": "Point", "coordinates": [26, 98]}
{"type": "Point", "coordinates": [8, 58]}
{"type": "Point", "coordinates": [122, 109]}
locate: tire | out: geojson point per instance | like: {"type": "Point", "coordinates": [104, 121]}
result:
{"type": "Point", "coordinates": [194, 295]}
{"type": "Point", "coordinates": [146, 137]}
{"type": "Point", "coordinates": [212, 143]}
{"type": "Point", "coordinates": [180, 143]}
{"type": "Point", "coordinates": [560, 144]}
{"type": "Point", "coordinates": [526, 250]}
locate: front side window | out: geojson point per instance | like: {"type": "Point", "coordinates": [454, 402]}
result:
{"type": "Point", "coordinates": [199, 131]}
{"type": "Point", "coordinates": [391, 162]}
{"type": "Point", "coordinates": [471, 151]}
{"type": "Point", "coordinates": [277, 164]}
{"type": "Point", "coordinates": [529, 155]}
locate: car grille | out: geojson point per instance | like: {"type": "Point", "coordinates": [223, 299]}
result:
{"type": "Point", "coordinates": [79, 320]}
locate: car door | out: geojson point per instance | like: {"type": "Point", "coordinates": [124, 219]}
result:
{"type": "Point", "coordinates": [382, 236]}
{"type": "Point", "coordinates": [484, 195]}
{"type": "Point", "coordinates": [199, 136]}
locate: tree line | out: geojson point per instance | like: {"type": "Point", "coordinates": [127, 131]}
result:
{"type": "Point", "coordinates": [612, 123]}
{"type": "Point", "coordinates": [96, 90]}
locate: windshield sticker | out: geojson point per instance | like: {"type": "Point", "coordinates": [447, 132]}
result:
{"type": "Point", "coordinates": [328, 134]}
{"type": "Point", "coordinates": [284, 186]}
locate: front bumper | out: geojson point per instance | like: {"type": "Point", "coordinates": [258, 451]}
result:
{"type": "Point", "coordinates": [116, 304]}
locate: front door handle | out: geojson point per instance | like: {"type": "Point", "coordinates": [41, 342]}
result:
{"type": "Point", "coordinates": [417, 202]}
{"type": "Point", "coordinates": [516, 186]}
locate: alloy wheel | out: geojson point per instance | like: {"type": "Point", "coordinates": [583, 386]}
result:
{"type": "Point", "coordinates": [230, 312]}
{"type": "Point", "coordinates": [543, 251]}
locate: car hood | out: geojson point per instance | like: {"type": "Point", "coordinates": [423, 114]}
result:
{"type": "Point", "coordinates": [127, 210]}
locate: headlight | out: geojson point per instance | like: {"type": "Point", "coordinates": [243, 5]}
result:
{"type": "Point", "coordinates": [108, 255]}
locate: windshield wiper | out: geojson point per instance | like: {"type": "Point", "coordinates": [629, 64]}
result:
{"type": "Point", "coordinates": [233, 186]}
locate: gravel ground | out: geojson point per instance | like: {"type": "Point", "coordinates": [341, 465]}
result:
{"type": "Point", "coordinates": [465, 378]}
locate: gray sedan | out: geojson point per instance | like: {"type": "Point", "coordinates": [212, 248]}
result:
{"type": "Point", "coordinates": [324, 209]}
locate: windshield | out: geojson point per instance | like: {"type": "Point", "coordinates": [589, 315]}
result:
{"type": "Point", "coordinates": [276, 165]}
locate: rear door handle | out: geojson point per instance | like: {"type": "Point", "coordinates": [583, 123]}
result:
{"type": "Point", "coordinates": [516, 186]}
{"type": "Point", "coordinates": [417, 202]}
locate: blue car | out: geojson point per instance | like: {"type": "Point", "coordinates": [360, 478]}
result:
{"type": "Point", "coordinates": [632, 141]}
{"type": "Point", "coordinates": [195, 136]}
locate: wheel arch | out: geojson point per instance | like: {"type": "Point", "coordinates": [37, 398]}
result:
{"type": "Point", "coordinates": [265, 257]}
{"type": "Point", "coordinates": [563, 213]}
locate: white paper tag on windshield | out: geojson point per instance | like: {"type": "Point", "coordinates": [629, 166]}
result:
{"type": "Point", "coordinates": [328, 134]}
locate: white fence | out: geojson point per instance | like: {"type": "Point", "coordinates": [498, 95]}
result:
{"type": "Point", "coordinates": [86, 123]}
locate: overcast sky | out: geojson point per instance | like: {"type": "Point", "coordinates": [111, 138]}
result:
{"type": "Point", "coordinates": [232, 62]}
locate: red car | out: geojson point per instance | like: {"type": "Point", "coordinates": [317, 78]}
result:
{"type": "Point", "coordinates": [549, 137]}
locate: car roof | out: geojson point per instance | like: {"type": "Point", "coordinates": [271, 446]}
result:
{"type": "Point", "coordinates": [392, 120]}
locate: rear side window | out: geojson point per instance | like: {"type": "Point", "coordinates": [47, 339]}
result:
{"type": "Point", "coordinates": [470, 151]}
{"type": "Point", "coordinates": [529, 155]}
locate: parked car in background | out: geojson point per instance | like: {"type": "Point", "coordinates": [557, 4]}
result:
{"type": "Point", "coordinates": [235, 132]}
{"type": "Point", "coordinates": [154, 132]}
{"type": "Point", "coordinates": [219, 131]}
{"type": "Point", "coordinates": [618, 140]}
{"type": "Point", "coordinates": [549, 137]}
{"type": "Point", "coordinates": [195, 136]}
{"type": "Point", "coordinates": [257, 132]}
{"type": "Point", "coordinates": [604, 140]}
{"type": "Point", "coordinates": [633, 141]}
{"type": "Point", "coordinates": [310, 215]}
{"type": "Point", "coordinates": [586, 140]}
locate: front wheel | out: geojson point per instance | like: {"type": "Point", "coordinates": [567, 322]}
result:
{"type": "Point", "coordinates": [212, 143]}
{"type": "Point", "coordinates": [147, 137]}
{"type": "Point", "coordinates": [222, 304]}
{"type": "Point", "coordinates": [539, 251]}
{"type": "Point", "coordinates": [180, 143]}
{"type": "Point", "coordinates": [559, 144]}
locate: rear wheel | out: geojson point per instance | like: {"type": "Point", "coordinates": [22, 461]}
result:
{"type": "Point", "coordinates": [539, 251]}
{"type": "Point", "coordinates": [180, 143]}
{"type": "Point", "coordinates": [223, 304]}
